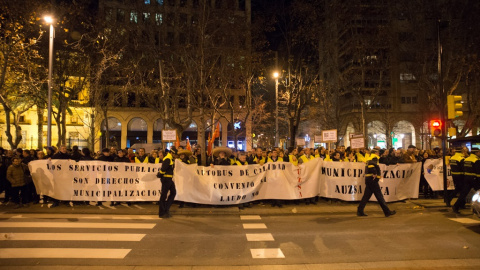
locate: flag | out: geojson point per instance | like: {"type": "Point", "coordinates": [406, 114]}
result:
{"type": "Point", "coordinates": [188, 147]}
{"type": "Point", "coordinates": [177, 143]}
{"type": "Point", "coordinates": [216, 134]}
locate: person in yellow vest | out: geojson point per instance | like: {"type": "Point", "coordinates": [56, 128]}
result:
{"type": "Point", "coordinates": [292, 156]}
{"type": "Point", "coordinates": [242, 161]}
{"type": "Point", "coordinates": [153, 158]}
{"type": "Point", "coordinates": [372, 176]}
{"type": "Point", "coordinates": [259, 158]}
{"type": "Point", "coordinates": [306, 157]}
{"type": "Point", "coordinates": [141, 157]}
{"type": "Point", "coordinates": [456, 167]}
{"type": "Point", "coordinates": [168, 191]}
{"type": "Point", "coordinates": [471, 178]}
{"type": "Point", "coordinates": [274, 157]}
{"type": "Point", "coordinates": [361, 155]}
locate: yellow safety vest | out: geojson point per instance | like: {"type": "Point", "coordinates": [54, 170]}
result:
{"type": "Point", "coordinates": [278, 160]}
{"type": "Point", "coordinates": [305, 159]}
{"type": "Point", "coordinates": [144, 161]}
{"type": "Point", "coordinates": [290, 158]}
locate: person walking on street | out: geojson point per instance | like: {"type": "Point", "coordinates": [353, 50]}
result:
{"type": "Point", "coordinates": [471, 176]}
{"type": "Point", "coordinates": [372, 176]}
{"type": "Point", "coordinates": [166, 174]}
{"type": "Point", "coordinates": [456, 167]}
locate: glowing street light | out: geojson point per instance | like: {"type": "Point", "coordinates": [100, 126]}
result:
{"type": "Point", "coordinates": [276, 75]}
{"type": "Point", "coordinates": [49, 20]}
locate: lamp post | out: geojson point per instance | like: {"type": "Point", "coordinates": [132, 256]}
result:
{"type": "Point", "coordinates": [49, 20]}
{"type": "Point", "coordinates": [276, 75]}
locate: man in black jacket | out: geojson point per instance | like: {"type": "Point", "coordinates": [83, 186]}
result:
{"type": "Point", "coordinates": [372, 176]}
{"type": "Point", "coordinates": [166, 174]}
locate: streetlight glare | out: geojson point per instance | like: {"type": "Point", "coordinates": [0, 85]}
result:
{"type": "Point", "coordinates": [275, 74]}
{"type": "Point", "coordinates": [48, 19]}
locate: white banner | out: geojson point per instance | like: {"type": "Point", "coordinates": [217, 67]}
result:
{"type": "Point", "coordinates": [346, 181]}
{"type": "Point", "coordinates": [96, 180]}
{"type": "Point", "coordinates": [433, 173]}
{"type": "Point", "coordinates": [101, 181]}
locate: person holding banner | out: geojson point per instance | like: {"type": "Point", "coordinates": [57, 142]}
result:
{"type": "Point", "coordinates": [166, 175]}
{"type": "Point", "coordinates": [372, 176]}
{"type": "Point", "coordinates": [142, 157]}
{"type": "Point", "coordinates": [221, 156]}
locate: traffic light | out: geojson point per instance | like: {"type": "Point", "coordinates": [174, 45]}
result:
{"type": "Point", "coordinates": [436, 128]}
{"type": "Point", "coordinates": [453, 106]}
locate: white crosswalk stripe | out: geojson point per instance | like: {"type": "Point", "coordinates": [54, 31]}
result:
{"type": "Point", "coordinates": [25, 228]}
{"type": "Point", "coordinates": [76, 225]}
{"type": "Point", "coordinates": [72, 236]}
{"type": "Point", "coordinates": [74, 253]}
{"type": "Point", "coordinates": [465, 220]}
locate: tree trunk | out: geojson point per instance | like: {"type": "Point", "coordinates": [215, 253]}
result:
{"type": "Point", "coordinates": [201, 137]}
{"type": "Point", "coordinates": [40, 111]}
{"type": "Point", "coordinates": [92, 132]}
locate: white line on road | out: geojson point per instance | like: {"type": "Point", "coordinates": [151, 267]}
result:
{"type": "Point", "coordinates": [267, 253]}
{"type": "Point", "coordinates": [76, 225]}
{"type": "Point", "coordinates": [465, 220]}
{"type": "Point", "coordinates": [260, 237]}
{"type": "Point", "coordinates": [254, 226]}
{"type": "Point", "coordinates": [71, 237]}
{"type": "Point", "coordinates": [250, 217]}
{"type": "Point", "coordinates": [80, 216]}
{"type": "Point", "coordinates": [74, 253]}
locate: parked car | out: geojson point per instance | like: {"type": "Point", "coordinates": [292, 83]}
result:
{"type": "Point", "coordinates": [476, 203]}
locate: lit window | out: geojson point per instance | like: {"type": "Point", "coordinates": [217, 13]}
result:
{"type": "Point", "coordinates": [160, 2]}
{"type": "Point", "coordinates": [158, 18]}
{"type": "Point", "coordinates": [134, 16]}
{"type": "Point", "coordinates": [407, 77]}
{"type": "Point", "coordinates": [147, 2]}
{"type": "Point", "coordinates": [146, 17]}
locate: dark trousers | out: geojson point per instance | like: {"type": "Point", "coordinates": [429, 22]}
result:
{"type": "Point", "coordinates": [467, 185]}
{"type": "Point", "coordinates": [372, 187]}
{"type": "Point", "coordinates": [459, 183]}
{"type": "Point", "coordinates": [8, 191]}
{"type": "Point", "coordinates": [18, 192]}
{"type": "Point", "coordinates": [165, 202]}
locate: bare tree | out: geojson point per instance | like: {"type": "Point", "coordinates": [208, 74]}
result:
{"type": "Point", "coordinates": [20, 71]}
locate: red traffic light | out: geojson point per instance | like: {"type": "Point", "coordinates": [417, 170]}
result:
{"type": "Point", "coordinates": [436, 128]}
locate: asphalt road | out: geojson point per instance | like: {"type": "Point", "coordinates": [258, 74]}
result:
{"type": "Point", "coordinates": [426, 239]}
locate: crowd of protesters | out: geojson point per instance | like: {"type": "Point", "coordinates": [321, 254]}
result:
{"type": "Point", "coordinates": [16, 182]}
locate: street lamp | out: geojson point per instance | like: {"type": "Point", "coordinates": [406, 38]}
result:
{"type": "Point", "coordinates": [49, 20]}
{"type": "Point", "coordinates": [276, 76]}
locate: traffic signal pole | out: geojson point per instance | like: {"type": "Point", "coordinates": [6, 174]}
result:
{"type": "Point", "coordinates": [443, 97]}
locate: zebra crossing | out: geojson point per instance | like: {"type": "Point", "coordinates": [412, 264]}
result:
{"type": "Point", "coordinates": [260, 253]}
{"type": "Point", "coordinates": [31, 235]}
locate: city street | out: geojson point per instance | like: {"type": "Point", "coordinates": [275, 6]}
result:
{"type": "Point", "coordinates": [417, 237]}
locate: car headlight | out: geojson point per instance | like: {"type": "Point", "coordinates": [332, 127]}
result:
{"type": "Point", "coordinates": [476, 197]}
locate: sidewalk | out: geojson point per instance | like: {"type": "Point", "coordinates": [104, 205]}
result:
{"type": "Point", "coordinates": [322, 207]}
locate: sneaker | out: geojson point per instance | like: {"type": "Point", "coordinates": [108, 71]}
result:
{"type": "Point", "coordinates": [55, 204]}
